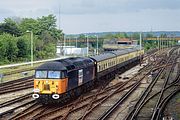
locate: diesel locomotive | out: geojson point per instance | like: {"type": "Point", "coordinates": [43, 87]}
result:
{"type": "Point", "coordinates": [60, 80]}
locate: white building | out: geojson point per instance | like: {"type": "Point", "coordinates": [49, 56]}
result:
{"type": "Point", "coordinates": [71, 50]}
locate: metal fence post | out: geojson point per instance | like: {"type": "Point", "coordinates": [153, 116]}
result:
{"type": "Point", "coordinates": [1, 77]}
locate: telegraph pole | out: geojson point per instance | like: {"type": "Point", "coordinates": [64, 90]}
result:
{"type": "Point", "coordinates": [140, 45]}
{"type": "Point", "coordinates": [97, 44]}
{"type": "Point", "coordinates": [87, 45]}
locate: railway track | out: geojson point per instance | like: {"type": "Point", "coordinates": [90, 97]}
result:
{"type": "Point", "coordinates": [171, 89]}
{"type": "Point", "coordinates": [162, 94]}
{"type": "Point", "coordinates": [108, 113]}
{"type": "Point", "coordinates": [85, 100]}
{"type": "Point", "coordinates": [13, 101]}
{"type": "Point", "coordinates": [9, 92]}
{"type": "Point", "coordinates": [16, 85]}
{"type": "Point", "coordinates": [30, 112]}
{"type": "Point", "coordinates": [83, 107]}
{"type": "Point", "coordinates": [4, 114]}
{"type": "Point", "coordinates": [55, 111]}
{"type": "Point", "coordinates": [115, 98]}
{"type": "Point", "coordinates": [15, 81]}
{"type": "Point", "coordinates": [165, 102]}
{"type": "Point", "coordinates": [143, 107]}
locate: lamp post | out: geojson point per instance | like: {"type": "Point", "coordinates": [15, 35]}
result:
{"type": "Point", "coordinates": [158, 42]}
{"type": "Point", "coordinates": [162, 43]}
{"type": "Point", "coordinates": [64, 44]}
{"type": "Point", "coordinates": [168, 42]}
{"type": "Point", "coordinates": [31, 46]}
{"type": "Point", "coordinates": [87, 45]}
{"type": "Point", "coordinates": [174, 36]}
{"type": "Point", "coordinates": [97, 41]}
{"type": "Point", "coordinates": [76, 42]}
{"type": "Point", "coordinates": [140, 43]}
{"type": "Point", "coordinates": [69, 38]}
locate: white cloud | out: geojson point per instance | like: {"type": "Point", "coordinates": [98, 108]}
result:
{"type": "Point", "coordinates": [115, 6]}
{"type": "Point", "coordinates": [100, 15]}
{"type": "Point", "coordinates": [134, 21]}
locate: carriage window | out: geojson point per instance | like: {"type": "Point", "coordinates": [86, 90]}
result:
{"type": "Point", "coordinates": [41, 74]}
{"type": "Point", "coordinates": [54, 74]}
{"type": "Point", "coordinates": [99, 68]}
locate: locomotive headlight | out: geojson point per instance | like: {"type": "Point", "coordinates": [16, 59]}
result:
{"type": "Point", "coordinates": [35, 96]}
{"type": "Point", "coordinates": [36, 90]}
{"type": "Point", "coordinates": [55, 96]}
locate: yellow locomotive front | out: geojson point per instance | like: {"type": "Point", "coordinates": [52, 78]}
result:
{"type": "Point", "coordinates": [50, 80]}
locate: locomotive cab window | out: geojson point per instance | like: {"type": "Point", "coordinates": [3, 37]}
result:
{"type": "Point", "coordinates": [54, 74]}
{"type": "Point", "coordinates": [41, 74]}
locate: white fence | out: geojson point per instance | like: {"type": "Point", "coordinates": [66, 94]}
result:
{"type": "Point", "coordinates": [28, 63]}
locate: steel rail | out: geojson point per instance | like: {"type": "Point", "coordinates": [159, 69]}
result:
{"type": "Point", "coordinates": [13, 109]}
{"type": "Point", "coordinates": [154, 115]}
{"type": "Point", "coordinates": [133, 113]}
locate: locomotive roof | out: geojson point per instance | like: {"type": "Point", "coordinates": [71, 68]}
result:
{"type": "Point", "coordinates": [124, 51]}
{"type": "Point", "coordinates": [112, 54]}
{"type": "Point", "coordinates": [103, 56]}
{"type": "Point", "coordinates": [66, 64]}
{"type": "Point", "coordinates": [52, 66]}
{"type": "Point", "coordinates": [77, 62]}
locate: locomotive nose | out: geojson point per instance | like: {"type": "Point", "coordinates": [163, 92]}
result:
{"type": "Point", "coordinates": [35, 96]}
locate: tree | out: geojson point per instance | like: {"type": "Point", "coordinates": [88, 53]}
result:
{"type": "Point", "coordinates": [121, 35]}
{"type": "Point", "coordinates": [29, 24]}
{"type": "Point", "coordinates": [82, 36]}
{"type": "Point", "coordinates": [8, 47]}
{"type": "Point", "coordinates": [56, 34]}
{"type": "Point", "coordinates": [9, 26]}
{"type": "Point", "coordinates": [149, 35]}
{"type": "Point", "coordinates": [50, 50]}
{"type": "Point", "coordinates": [22, 46]}
{"type": "Point", "coordinates": [47, 38]}
{"type": "Point", "coordinates": [47, 26]}
{"type": "Point", "coordinates": [135, 36]}
{"type": "Point", "coordinates": [163, 35]}
{"type": "Point", "coordinates": [125, 35]}
{"type": "Point", "coordinates": [46, 23]}
{"type": "Point", "coordinates": [109, 36]}
{"type": "Point", "coordinates": [15, 43]}
{"type": "Point", "coordinates": [3, 45]}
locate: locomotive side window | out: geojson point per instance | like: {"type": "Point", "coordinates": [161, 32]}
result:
{"type": "Point", "coordinates": [41, 74]}
{"type": "Point", "coordinates": [54, 74]}
{"type": "Point", "coordinates": [63, 74]}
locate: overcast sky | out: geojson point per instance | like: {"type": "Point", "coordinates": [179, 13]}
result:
{"type": "Point", "coordinates": [80, 16]}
